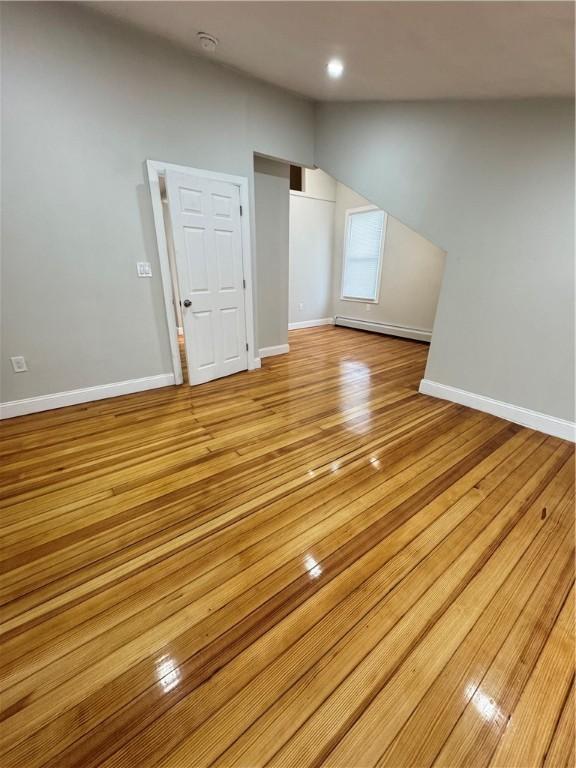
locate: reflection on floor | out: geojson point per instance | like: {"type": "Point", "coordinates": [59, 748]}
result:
{"type": "Point", "coordinates": [305, 565]}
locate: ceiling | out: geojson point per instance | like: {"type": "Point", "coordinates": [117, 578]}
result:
{"type": "Point", "coordinates": [391, 50]}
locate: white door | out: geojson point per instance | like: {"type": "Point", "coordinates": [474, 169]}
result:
{"type": "Point", "coordinates": [205, 217]}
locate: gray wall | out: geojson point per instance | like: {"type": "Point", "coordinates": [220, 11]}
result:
{"type": "Point", "coordinates": [492, 184]}
{"type": "Point", "coordinates": [412, 270]}
{"type": "Point", "coordinates": [84, 103]}
{"type": "Point", "coordinates": [272, 192]}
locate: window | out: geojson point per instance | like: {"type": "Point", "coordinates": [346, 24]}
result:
{"type": "Point", "coordinates": [363, 248]}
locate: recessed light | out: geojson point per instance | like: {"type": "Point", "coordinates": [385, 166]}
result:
{"type": "Point", "coordinates": [335, 68]}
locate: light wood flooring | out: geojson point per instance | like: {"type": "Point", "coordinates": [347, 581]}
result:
{"type": "Point", "coordinates": [306, 565]}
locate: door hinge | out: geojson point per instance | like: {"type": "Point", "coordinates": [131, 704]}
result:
{"type": "Point", "coordinates": [246, 346]}
{"type": "Point", "coordinates": [241, 214]}
{"type": "Point", "coordinates": [244, 284]}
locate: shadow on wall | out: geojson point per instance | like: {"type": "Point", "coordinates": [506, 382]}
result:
{"type": "Point", "coordinates": [352, 263]}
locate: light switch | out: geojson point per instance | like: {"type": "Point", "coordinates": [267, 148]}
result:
{"type": "Point", "coordinates": [144, 269]}
{"type": "Point", "coordinates": [18, 364]}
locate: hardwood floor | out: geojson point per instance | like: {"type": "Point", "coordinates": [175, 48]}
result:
{"type": "Point", "coordinates": [305, 565]}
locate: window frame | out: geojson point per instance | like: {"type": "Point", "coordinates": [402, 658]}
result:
{"type": "Point", "coordinates": [349, 213]}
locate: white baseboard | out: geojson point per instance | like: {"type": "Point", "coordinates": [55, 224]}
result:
{"type": "Point", "coordinates": [85, 395]}
{"type": "Point", "coordinates": [311, 323]}
{"type": "Point", "coordinates": [541, 422]}
{"type": "Point", "coordinates": [390, 330]}
{"type": "Point", "coordinates": [281, 349]}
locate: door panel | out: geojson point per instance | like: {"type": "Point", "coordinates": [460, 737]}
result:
{"type": "Point", "coordinates": [203, 339]}
{"type": "Point", "coordinates": [191, 200]}
{"type": "Point", "coordinates": [232, 341]}
{"type": "Point", "coordinates": [227, 280]}
{"type": "Point", "coordinates": [205, 218]}
{"type": "Point", "coordinates": [222, 206]}
{"type": "Point", "coordinates": [196, 259]}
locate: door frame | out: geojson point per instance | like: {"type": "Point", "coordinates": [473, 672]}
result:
{"type": "Point", "coordinates": [155, 169]}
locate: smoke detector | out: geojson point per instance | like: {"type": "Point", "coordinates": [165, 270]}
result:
{"type": "Point", "coordinates": [208, 42]}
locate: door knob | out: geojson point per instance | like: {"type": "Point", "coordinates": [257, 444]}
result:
{"type": "Point", "coordinates": [187, 303]}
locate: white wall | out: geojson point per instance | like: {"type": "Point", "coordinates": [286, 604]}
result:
{"type": "Point", "coordinates": [492, 183]}
{"type": "Point", "coordinates": [85, 102]}
{"type": "Point", "coordinates": [411, 274]}
{"type": "Point", "coordinates": [318, 184]}
{"type": "Point", "coordinates": [311, 253]}
{"type": "Point", "coordinates": [412, 267]}
{"type": "Point", "coordinates": [312, 247]}
{"type": "Point", "coordinates": [272, 192]}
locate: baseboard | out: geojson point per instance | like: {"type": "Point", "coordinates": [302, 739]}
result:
{"type": "Point", "coordinates": [311, 323]}
{"type": "Point", "coordinates": [541, 422]}
{"type": "Point", "coordinates": [87, 394]}
{"type": "Point", "coordinates": [418, 334]}
{"type": "Point", "coordinates": [180, 331]}
{"type": "Point", "coordinates": [281, 349]}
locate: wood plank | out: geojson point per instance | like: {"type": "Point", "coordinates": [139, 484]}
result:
{"type": "Point", "coordinates": [286, 714]}
{"type": "Point", "coordinates": [306, 564]}
{"type": "Point", "coordinates": [560, 750]}
{"type": "Point", "coordinates": [524, 740]}
{"type": "Point", "coordinates": [203, 663]}
{"type": "Point", "coordinates": [317, 740]}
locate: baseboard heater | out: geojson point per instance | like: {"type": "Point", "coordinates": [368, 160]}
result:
{"type": "Point", "coordinates": [391, 330]}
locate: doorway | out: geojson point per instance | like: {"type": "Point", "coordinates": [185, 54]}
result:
{"type": "Point", "coordinates": [203, 234]}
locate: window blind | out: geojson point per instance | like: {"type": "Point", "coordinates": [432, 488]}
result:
{"type": "Point", "coordinates": [362, 254]}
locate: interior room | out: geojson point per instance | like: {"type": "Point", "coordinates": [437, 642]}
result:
{"type": "Point", "coordinates": [354, 265]}
{"type": "Point", "coordinates": [287, 384]}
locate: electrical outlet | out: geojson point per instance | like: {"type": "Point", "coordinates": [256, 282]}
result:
{"type": "Point", "coordinates": [144, 269]}
{"type": "Point", "coordinates": [19, 364]}
{"type": "Point", "coordinates": [301, 306]}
